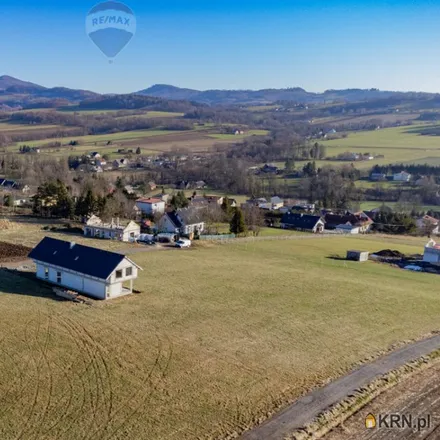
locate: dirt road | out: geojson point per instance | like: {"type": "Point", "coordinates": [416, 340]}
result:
{"type": "Point", "coordinates": [418, 396]}
{"type": "Point", "coordinates": [304, 410]}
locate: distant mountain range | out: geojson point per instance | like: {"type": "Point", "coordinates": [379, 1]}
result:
{"type": "Point", "coordinates": [16, 93]}
{"type": "Point", "coordinates": [268, 96]}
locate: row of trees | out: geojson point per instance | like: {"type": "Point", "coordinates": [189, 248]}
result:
{"type": "Point", "coordinates": [54, 199]}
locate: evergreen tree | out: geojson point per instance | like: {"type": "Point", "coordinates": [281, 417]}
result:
{"type": "Point", "coordinates": [237, 225]}
{"type": "Point", "coordinates": [290, 164]}
{"type": "Point", "coordinates": [138, 150]}
{"type": "Point", "coordinates": [226, 206]}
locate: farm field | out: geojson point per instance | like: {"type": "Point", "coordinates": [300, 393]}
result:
{"type": "Point", "coordinates": [232, 332]}
{"type": "Point", "coordinates": [397, 144]}
{"type": "Point", "coordinates": [152, 142]}
{"type": "Point", "coordinates": [232, 137]}
{"type": "Point", "coordinates": [416, 395]}
{"type": "Point", "coordinates": [368, 206]}
{"type": "Point", "coordinates": [28, 233]}
{"type": "Point", "coordinates": [7, 126]}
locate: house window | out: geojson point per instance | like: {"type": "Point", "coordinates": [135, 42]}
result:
{"type": "Point", "coordinates": [129, 272]}
{"type": "Point", "coordinates": [46, 273]}
{"type": "Point", "coordinates": [118, 274]}
{"type": "Point", "coordinates": [59, 277]}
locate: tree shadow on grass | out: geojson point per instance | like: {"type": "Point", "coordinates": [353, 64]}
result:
{"type": "Point", "coordinates": [16, 282]}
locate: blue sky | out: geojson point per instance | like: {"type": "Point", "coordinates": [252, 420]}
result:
{"type": "Point", "coordinates": [238, 44]}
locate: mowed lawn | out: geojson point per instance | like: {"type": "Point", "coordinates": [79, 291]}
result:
{"type": "Point", "coordinates": [220, 335]}
{"type": "Point", "coordinates": [397, 144]}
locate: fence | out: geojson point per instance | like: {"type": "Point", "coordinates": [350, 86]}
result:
{"type": "Point", "coordinates": [218, 237]}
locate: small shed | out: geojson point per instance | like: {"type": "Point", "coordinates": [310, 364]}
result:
{"type": "Point", "coordinates": [357, 255]}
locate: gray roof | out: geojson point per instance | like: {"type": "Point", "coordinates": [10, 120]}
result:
{"type": "Point", "coordinates": [184, 217]}
{"type": "Point", "coordinates": [84, 259]}
{"type": "Point", "coordinates": [300, 221]}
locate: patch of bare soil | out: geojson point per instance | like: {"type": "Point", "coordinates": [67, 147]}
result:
{"type": "Point", "coordinates": [388, 253]}
{"type": "Point", "coordinates": [13, 252]}
{"type": "Point", "coordinates": [417, 396]}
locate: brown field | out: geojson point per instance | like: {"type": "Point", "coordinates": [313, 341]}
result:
{"type": "Point", "coordinates": [220, 336]}
{"type": "Point", "coordinates": [383, 118]}
{"type": "Point", "coordinates": [418, 395]}
{"type": "Point", "coordinates": [28, 231]}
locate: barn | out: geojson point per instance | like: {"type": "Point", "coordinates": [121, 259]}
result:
{"type": "Point", "coordinates": [94, 272]}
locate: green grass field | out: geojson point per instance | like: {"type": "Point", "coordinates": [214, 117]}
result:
{"type": "Point", "coordinates": [7, 126]}
{"type": "Point", "coordinates": [367, 206]}
{"type": "Point", "coordinates": [398, 145]}
{"type": "Point", "coordinates": [220, 335]}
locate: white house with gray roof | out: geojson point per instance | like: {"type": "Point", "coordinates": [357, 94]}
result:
{"type": "Point", "coordinates": [182, 222]}
{"type": "Point", "coordinates": [94, 272]}
{"type": "Point", "coordinates": [95, 227]}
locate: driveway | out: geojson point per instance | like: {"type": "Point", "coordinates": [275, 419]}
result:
{"type": "Point", "coordinates": [306, 409]}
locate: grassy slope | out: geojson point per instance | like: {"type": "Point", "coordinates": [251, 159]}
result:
{"type": "Point", "coordinates": [219, 335]}
{"type": "Point", "coordinates": [396, 144]}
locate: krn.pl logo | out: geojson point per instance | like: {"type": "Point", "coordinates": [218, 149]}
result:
{"type": "Point", "coordinates": [370, 421]}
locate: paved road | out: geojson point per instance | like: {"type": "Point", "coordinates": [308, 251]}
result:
{"type": "Point", "coordinates": [417, 396]}
{"type": "Point", "coordinates": [304, 410]}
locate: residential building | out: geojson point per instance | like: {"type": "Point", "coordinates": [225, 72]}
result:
{"type": "Point", "coordinates": [428, 225]}
{"type": "Point", "coordinates": [10, 184]}
{"type": "Point", "coordinates": [120, 163]}
{"type": "Point", "coordinates": [378, 177]}
{"type": "Point", "coordinates": [348, 228]}
{"type": "Point", "coordinates": [94, 272]}
{"type": "Point", "coordinates": [270, 169]}
{"type": "Point", "coordinates": [276, 202]}
{"type": "Point", "coordinates": [403, 176]}
{"type": "Point", "coordinates": [151, 206]}
{"type": "Point", "coordinates": [185, 221]}
{"type": "Point", "coordinates": [202, 201]}
{"type": "Point", "coordinates": [355, 222]}
{"type": "Point", "coordinates": [303, 222]}
{"type": "Point", "coordinates": [96, 228]}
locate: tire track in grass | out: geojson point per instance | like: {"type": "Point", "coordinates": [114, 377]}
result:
{"type": "Point", "coordinates": [49, 366]}
{"type": "Point", "coordinates": [13, 383]}
{"type": "Point", "coordinates": [106, 380]}
{"type": "Point", "coordinates": [37, 370]}
{"type": "Point", "coordinates": [151, 389]}
{"type": "Point", "coordinates": [84, 348]}
{"type": "Point", "coordinates": [67, 379]}
{"type": "Point", "coordinates": [80, 377]}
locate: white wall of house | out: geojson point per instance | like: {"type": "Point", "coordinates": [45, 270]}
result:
{"type": "Point", "coordinates": [71, 280]}
{"type": "Point", "coordinates": [348, 229]}
{"type": "Point", "coordinates": [151, 208]}
{"type": "Point", "coordinates": [190, 229]}
{"type": "Point", "coordinates": [94, 287]}
{"type": "Point", "coordinates": [131, 232]}
{"type": "Point", "coordinates": [402, 177]}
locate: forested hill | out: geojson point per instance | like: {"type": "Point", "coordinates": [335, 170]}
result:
{"type": "Point", "coordinates": [266, 96]}
{"type": "Point", "coordinates": [135, 102]}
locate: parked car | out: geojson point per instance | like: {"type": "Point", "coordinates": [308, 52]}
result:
{"type": "Point", "coordinates": [183, 243]}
